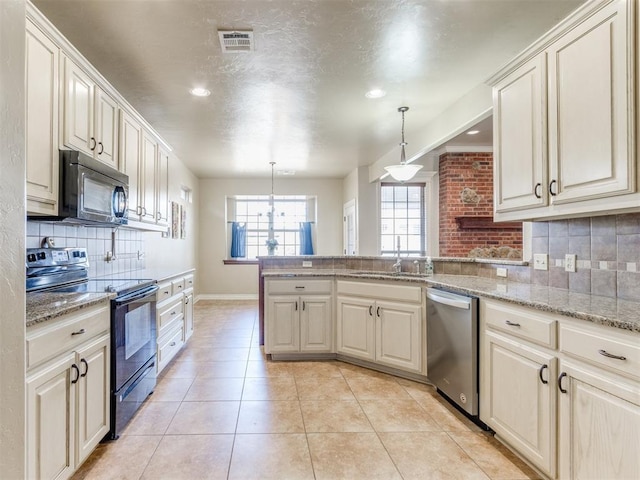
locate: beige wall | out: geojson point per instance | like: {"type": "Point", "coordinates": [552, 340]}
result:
{"type": "Point", "coordinates": [177, 253]}
{"type": "Point", "coordinates": [216, 280]}
{"type": "Point", "coordinates": [12, 239]}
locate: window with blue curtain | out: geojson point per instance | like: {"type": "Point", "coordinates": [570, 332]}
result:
{"type": "Point", "coordinates": [306, 239]}
{"type": "Point", "coordinates": [238, 240]}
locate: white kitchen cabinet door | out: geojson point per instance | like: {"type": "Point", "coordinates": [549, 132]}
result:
{"type": "Point", "coordinates": [106, 128]}
{"type": "Point", "coordinates": [148, 178]}
{"type": "Point", "coordinates": [94, 391]}
{"type": "Point", "coordinates": [130, 160]}
{"type": "Point", "coordinates": [42, 58]}
{"type": "Point", "coordinates": [316, 321]}
{"type": "Point", "coordinates": [355, 325]}
{"type": "Point", "coordinates": [591, 103]}
{"type": "Point", "coordinates": [519, 398]}
{"type": "Point", "coordinates": [519, 128]}
{"type": "Point", "coordinates": [162, 201]}
{"type": "Point", "coordinates": [283, 324]}
{"type": "Point", "coordinates": [399, 335]}
{"type": "Point", "coordinates": [599, 425]}
{"type": "Point", "coordinates": [51, 401]}
{"type": "Point", "coordinates": [188, 315]}
{"type": "Point", "coordinates": [78, 110]}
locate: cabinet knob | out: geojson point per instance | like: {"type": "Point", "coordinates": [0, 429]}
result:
{"type": "Point", "coordinates": [77, 370]}
{"type": "Point", "coordinates": [93, 147]}
{"type": "Point", "coordinates": [101, 148]}
{"type": "Point", "coordinates": [86, 367]}
{"type": "Point", "coordinates": [536, 192]}
{"type": "Point", "coordinates": [173, 344]}
{"type": "Point", "coordinates": [551, 192]}
{"type": "Point", "coordinates": [542, 368]}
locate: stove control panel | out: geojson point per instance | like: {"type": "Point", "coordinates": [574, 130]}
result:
{"type": "Point", "coordinates": [51, 257]}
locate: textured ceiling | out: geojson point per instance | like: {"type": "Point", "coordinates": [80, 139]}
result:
{"type": "Point", "coordinates": [298, 99]}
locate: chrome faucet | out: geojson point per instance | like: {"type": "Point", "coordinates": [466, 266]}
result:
{"type": "Point", "coordinates": [397, 267]}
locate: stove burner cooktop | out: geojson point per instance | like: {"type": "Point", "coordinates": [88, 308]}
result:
{"type": "Point", "coordinates": [116, 285]}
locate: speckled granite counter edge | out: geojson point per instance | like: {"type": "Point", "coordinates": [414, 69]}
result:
{"type": "Point", "coordinates": [455, 284]}
{"type": "Point", "coordinates": [43, 307]}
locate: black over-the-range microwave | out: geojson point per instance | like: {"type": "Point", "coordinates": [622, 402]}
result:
{"type": "Point", "coordinates": [90, 192]}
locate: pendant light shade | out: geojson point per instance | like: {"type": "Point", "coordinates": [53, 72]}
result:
{"type": "Point", "coordinates": [403, 171]}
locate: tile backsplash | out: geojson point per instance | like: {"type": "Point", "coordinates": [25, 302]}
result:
{"type": "Point", "coordinates": [129, 245]}
{"type": "Point", "coordinates": [607, 249]}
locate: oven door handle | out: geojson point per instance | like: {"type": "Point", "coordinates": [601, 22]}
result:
{"type": "Point", "coordinates": [132, 297]}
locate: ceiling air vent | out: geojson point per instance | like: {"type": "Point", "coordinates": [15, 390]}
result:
{"type": "Point", "coordinates": [236, 40]}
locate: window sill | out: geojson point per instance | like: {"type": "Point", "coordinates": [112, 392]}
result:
{"type": "Point", "coordinates": [240, 262]}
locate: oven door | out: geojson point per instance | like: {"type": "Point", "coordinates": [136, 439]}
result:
{"type": "Point", "coordinates": [133, 334]}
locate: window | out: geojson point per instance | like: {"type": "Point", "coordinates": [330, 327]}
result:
{"type": "Point", "coordinates": [402, 215]}
{"type": "Point", "coordinates": [255, 212]}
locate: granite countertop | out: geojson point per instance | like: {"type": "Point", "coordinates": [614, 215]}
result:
{"type": "Point", "coordinates": [162, 274]}
{"type": "Point", "coordinates": [607, 311]}
{"type": "Point", "coordinates": [45, 306]}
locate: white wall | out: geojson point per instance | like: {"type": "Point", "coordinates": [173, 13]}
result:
{"type": "Point", "coordinates": [235, 281]}
{"type": "Point", "coordinates": [12, 238]}
{"type": "Point", "coordinates": [368, 223]}
{"type": "Point", "coordinates": [177, 253]}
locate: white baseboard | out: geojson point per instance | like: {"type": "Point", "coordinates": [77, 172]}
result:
{"type": "Point", "coordinates": [226, 296]}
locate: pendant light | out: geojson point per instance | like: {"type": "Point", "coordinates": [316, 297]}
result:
{"type": "Point", "coordinates": [404, 171]}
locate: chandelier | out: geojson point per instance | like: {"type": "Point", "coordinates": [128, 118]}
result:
{"type": "Point", "coordinates": [404, 171]}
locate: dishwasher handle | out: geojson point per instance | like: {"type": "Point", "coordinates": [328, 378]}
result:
{"type": "Point", "coordinates": [459, 302]}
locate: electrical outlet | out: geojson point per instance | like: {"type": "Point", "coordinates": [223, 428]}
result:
{"type": "Point", "coordinates": [307, 264]}
{"type": "Point", "coordinates": [501, 272]}
{"type": "Point", "coordinates": [540, 261]}
{"type": "Point", "coordinates": [570, 262]}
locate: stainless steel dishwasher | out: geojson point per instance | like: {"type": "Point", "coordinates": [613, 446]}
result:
{"type": "Point", "coordinates": [452, 347]}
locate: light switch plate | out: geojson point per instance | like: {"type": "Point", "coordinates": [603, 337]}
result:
{"type": "Point", "coordinates": [307, 264]}
{"type": "Point", "coordinates": [570, 262]}
{"type": "Point", "coordinates": [540, 261]}
{"type": "Point", "coordinates": [501, 272]}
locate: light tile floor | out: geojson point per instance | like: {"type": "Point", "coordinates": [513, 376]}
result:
{"type": "Point", "coordinates": [221, 410]}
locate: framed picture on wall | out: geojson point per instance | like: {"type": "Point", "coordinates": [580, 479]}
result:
{"type": "Point", "coordinates": [183, 222]}
{"type": "Point", "coordinates": [175, 220]}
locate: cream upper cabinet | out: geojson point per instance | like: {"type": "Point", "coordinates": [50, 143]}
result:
{"type": "Point", "coordinates": [148, 175]}
{"type": "Point", "coordinates": [591, 103]}
{"type": "Point", "coordinates": [599, 424]}
{"type": "Point", "coordinates": [162, 194]}
{"type": "Point", "coordinates": [42, 59]}
{"type": "Point", "coordinates": [519, 126]}
{"type": "Point", "coordinates": [130, 153]}
{"type": "Point", "coordinates": [564, 124]}
{"type": "Point", "coordinates": [90, 116]}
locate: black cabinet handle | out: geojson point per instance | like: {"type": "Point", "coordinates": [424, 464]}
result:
{"type": "Point", "coordinates": [562, 375]}
{"type": "Point", "coordinates": [101, 148]}
{"type": "Point", "coordinates": [86, 367]}
{"type": "Point", "coordinates": [551, 192]}
{"type": "Point", "coordinates": [304, 305]}
{"type": "Point", "coordinates": [378, 311]}
{"type": "Point", "coordinates": [173, 344]}
{"type": "Point", "coordinates": [75, 367]}
{"type": "Point", "coordinates": [611, 355]}
{"type": "Point", "coordinates": [535, 190]}
{"type": "Point", "coordinates": [542, 368]}
{"type": "Point", "coordinates": [371, 310]}
{"type": "Point", "coordinates": [512, 324]}
{"type": "Point", "coordinates": [186, 301]}
{"type": "Point", "coordinates": [296, 305]}
{"type": "Point", "coordinates": [94, 144]}
{"type": "Point", "coordinates": [79, 332]}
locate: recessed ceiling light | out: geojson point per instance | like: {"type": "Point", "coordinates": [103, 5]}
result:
{"type": "Point", "coordinates": [200, 92]}
{"type": "Point", "coordinates": [375, 93]}
{"type": "Point", "coordinates": [473, 132]}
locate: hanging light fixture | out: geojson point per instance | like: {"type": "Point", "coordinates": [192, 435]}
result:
{"type": "Point", "coordinates": [404, 171]}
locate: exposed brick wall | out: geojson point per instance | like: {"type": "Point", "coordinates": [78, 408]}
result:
{"type": "Point", "coordinates": [472, 171]}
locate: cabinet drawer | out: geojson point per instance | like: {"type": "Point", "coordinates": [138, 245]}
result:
{"type": "Point", "coordinates": [169, 346]}
{"type": "Point", "coordinates": [188, 281]}
{"type": "Point", "coordinates": [381, 291]}
{"type": "Point", "coordinates": [177, 286]}
{"type": "Point", "coordinates": [522, 322]}
{"type": "Point", "coordinates": [169, 314]}
{"type": "Point", "coordinates": [66, 334]}
{"type": "Point", "coordinates": [599, 346]}
{"type": "Point", "coordinates": [299, 287]}
{"type": "Point", "coordinates": [164, 292]}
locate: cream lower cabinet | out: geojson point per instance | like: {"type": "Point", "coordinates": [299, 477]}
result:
{"type": "Point", "coordinates": [68, 392]}
{"type": "Point", "coordinates": [297, 323]}
{"type": "Point", "coordinates": [381, 323]}
{"type": "Point", "coordinates": [520, 397]}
